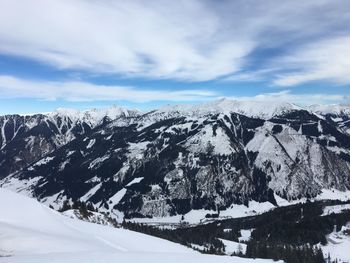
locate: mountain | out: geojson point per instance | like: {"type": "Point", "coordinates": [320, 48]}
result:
{"type": "Point", "coordinates": [339, 114]}
{"type": "Point", "coordinates": [253, 109]}
{"type": "Point", "coordinates": [31, 232]}
{"type": "Point", "coordinates": [25, 139]}
{"type": "Point", "coordinates": [192, 162]}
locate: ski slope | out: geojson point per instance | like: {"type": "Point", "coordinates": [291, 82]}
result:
{"type": "Point", "coordinates": [31, 232]}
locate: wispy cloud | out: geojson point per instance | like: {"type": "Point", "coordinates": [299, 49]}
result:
{"type": "Point", "coordinates": [327, 60]}
{"type": "Point", "coordinates": [252, 76]}
{"type": "Point", "coordinates": [155, 39]}
{"type": "Point", "coordinates": [184, 40]}
{"type": "Point", "coordinates": [299, 99]}
{"type": "Point", "coordinates": [78, 91]}
{"type": "Point", "coordinates": [12, 87]}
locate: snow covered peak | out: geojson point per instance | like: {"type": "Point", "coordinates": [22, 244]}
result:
{"type": "Point", "coordinates": [335, 109]}
{"type": "Point", "coordinates": [259, 109]}
{"type": "Point", "coordinates": [94, 116]}
{"type": "Point", "coordinates": [73, 114]}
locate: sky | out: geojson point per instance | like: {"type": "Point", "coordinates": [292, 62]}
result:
{"type": "Point", "coordinates": [144, 54]}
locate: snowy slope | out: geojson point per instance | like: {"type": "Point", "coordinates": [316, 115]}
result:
{"type": "Point", "coordinates": [338, 245]}
{"type": "Point", "coordinates": [31, 232]}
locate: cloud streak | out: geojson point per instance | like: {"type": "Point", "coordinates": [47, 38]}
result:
{"type": "Point", "coordinates": [158, 40]}
{"type": "Point", "coordinates": [299, 99]}
{"type": "Point", "coordinates": [183, 40]}
{"type": "Point", "coordinates": [78, 91]}
{"type": "Point", "coordinates": [12, 87]}
{"type": "Point", "coordinates": [327, 60]}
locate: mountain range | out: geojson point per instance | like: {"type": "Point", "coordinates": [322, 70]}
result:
{"type": "Point", "coordinates": [213, 158]}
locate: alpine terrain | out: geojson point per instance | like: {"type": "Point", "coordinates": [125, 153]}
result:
{"type": "Point", "coordinates": [183, 163]}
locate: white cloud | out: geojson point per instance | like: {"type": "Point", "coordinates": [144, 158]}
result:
{"type": "Point", "coordinates": [299, 99]}
{"type": "Point", "coordinates": [189, 40]}
{"type": "Point", "coordinates": [325, 60]}
{"type": "Point", "coordinates": [253, 76]}
{"type": "Point", "coordinates": [162, 39]}
{"type": "Point", "coordinates": [11, 87]}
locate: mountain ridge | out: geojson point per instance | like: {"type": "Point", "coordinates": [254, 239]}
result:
{"type": "Point", "coordinates": [176, 160]}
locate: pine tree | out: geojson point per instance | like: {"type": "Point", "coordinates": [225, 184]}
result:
{"type": "Point", "coordinates": [65, 206]}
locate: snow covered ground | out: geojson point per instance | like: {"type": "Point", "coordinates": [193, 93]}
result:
{"type": "Point", "coordinates": [31, 232]}
{"type": "Point", "coordinates": [336, 209]}
{"type": "Point", "coordinates": [236, 211]}
{"type": "Point", "coordinates": [199, 216]}
{"type": "Point", "coordinates": [232, 247]}
{"type": "Point", "coordinates": [338, 246]}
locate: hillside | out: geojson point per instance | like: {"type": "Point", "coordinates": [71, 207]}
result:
{"type": "Point", "coordinates": [31, 232]}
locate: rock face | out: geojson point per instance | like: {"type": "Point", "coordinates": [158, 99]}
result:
{"type": "Point", "coordinates": [176, 159]}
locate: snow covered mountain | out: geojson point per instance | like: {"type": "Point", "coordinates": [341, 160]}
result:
{"type": "Point", "coordinates": [255, 109]}
{"type": "Point", "coordinates": [31, 232]}
{"type": "Point", "coordinates": [25, 139]}
{"type": "Point", "coordinates": [335, 109]}
{"type": "Point", "coordinates": [339, 114]}
{"type": "Point", "coordinates": [180, 159]}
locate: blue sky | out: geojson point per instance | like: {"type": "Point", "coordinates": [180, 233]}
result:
{"type": "Point", "coordinates": [144, 54]}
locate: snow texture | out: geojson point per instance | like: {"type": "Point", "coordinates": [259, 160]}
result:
{"type": "Point", "coordinates": [31, 232]}
{"type": "Point", "coordinates": [232, 247]}
{"type": "Point", "coordinates": [338, 245]}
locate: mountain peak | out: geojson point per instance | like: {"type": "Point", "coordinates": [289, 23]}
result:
{"type": "Point", "coordinates": [94, 116]}
{"type": "Point", "coordinates": [258, 109]}
{"type": "Point", "coordinates": [336, 109]}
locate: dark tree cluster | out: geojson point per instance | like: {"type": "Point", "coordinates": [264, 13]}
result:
{"type": "Point", "coordinates": [288, 233]}
{"type": "Point", "coordinates": [184, 236]}
{"type": "Point", "coordinates": [84, 209]}
{"type": "Point", "coordinates": [288, 253]}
